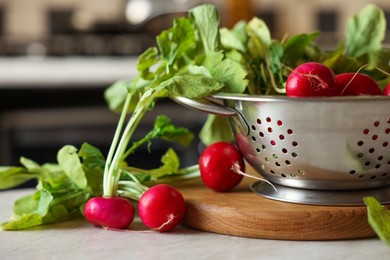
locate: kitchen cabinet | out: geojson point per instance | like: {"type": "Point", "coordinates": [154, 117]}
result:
{"type": "Point", "coordinates": [46, 103]}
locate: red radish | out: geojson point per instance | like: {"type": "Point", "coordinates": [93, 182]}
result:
{"type": "Point", "coordinates": [161, 207]}
{"type": "Point", "coordinates": [356, 84]}
{"type": "Point", "coordinates": [217, 166]}
{"type": "Point", "coordinates": [311, 79]}
{"type": "Point", "coordinates": [386, 91]}
{"type": "Point", "coordinates": [110, 212]}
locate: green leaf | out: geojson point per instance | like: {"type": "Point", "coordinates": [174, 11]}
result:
{"type": "Point", "coordinates": [295, 47]}
{"type": "Point", "coordinates": [29, 211]}
{"type": "Point", "coordinates": [45, 207]}
{"type": "Point", "coordinates": [30, 164]}
{"type": "Point", "coordinates": [191, 86]}
{"type": "Point", "coordinates": [37, 203]}
{"type": "Point", "coordinates": [365, 31]}
{"type": "Point", "coordinates": [91, 156]}
{"type": "Point", "coordinates": [170, 166]}
{"type": "Point", "coordinates": [340, 63]}
{"type": "Point", "coordinates": [93, 164]}
{"type": "Point", "coordinates": [236, 38]}
{"type": "Point", "coordinates": [216, 128]}
{"type": "Point", "coordinates": [164, 129]}
{"type": "Point", "coordinates": [259, 37]}
{"type": "Point", "coordinates": [115, 95]}
{"type": "Point", "coordinates": [379, 219]}
{"type": "Point", "coordinates": [23, 222]}
{"type": "Point", "coordinates": [177, 40]}
{"type": "Point", "coordinates": [11, 177]}
{"type": "Point", "coordinates": [70, 163]}
{"type": "Point", "coordinates": [146, 60]}
{"type": "Point", "coordinates": [206, 19]}
{"type": "Point", "coordinates": [227, 71]}
{"type": "Point", "coordinates": [379, 60]}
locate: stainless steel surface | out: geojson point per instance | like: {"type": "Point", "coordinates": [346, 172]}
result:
{"type": "Point", "coordinates": [320, 197]}
{"type": "Point", "coordinates": [338, 143]}
{"type": "Point", "coordinates": [206, 106]}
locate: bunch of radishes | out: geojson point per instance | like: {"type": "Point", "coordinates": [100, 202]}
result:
{"type": "Point", "coordinates": [161, 208]}
{"type": "Point", "coordinates": [313, 79]}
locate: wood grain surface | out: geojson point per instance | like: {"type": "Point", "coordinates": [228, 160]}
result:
{"type": "Point", "coordinates": [241, 212]}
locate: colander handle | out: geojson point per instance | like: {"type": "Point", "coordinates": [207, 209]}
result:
{"type": "Point", "coordinates": [211, 106]}
{"type": "Point", "coordinates": [207, 105]}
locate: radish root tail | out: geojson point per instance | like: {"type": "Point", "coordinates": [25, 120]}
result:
{"type": "Point", "coordinates": [237, 169]}
{"type": "Point", "coordinates": [170, 219]}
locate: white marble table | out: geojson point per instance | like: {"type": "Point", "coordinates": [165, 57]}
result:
{"type": "Point", "coordinates": [77, 239]}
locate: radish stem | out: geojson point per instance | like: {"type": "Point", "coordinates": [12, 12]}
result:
{"type": "Point", "coordinates": [112, 171]}
{"type": "Point", "coordinates": [115, 142]}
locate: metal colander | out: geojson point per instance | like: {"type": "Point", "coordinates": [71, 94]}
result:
{"type": "Point", "coordinates": [314, 150]}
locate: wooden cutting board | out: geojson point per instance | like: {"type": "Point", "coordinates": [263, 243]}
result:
{"type": "Point", "coordinates": [241, 212]}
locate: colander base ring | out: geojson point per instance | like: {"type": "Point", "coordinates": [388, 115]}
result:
{"type": "Point", "coordinates": [320, 197]}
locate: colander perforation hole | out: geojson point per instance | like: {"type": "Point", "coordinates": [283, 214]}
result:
{"type": "Point", "coordinates": [275, 145]}
{"type": "Point", "coordinates": [371, 151]}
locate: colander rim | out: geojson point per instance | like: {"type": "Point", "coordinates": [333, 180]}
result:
{"type": "Point", "coordinates": [276, 98]}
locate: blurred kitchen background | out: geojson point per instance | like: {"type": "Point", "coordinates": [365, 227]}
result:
{"type": "Point", "coordinates": [58, 56]}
